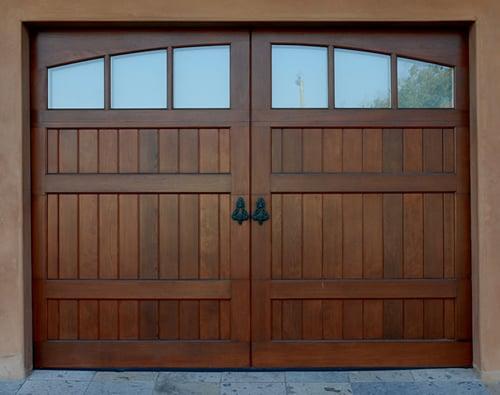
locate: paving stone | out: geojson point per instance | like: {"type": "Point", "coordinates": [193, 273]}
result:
{"type": "Point", "coordinates": [117, 387]}
{"type": "Point", "coordinates": [80, 375]}
{"type": "Point", "coordinates": [318, 388]}
{"type": "Point", "coordinates": [493, 388]}
{"type": "Point", "coordinates": [178, 388]}
{"type": "Point", "coordinates": [317, 377]}
{"type": "Point", "coordinates": [420, 388]}
{"type": "Point", "coordinates": [445, 375]}
{"type": "Point", "coordinates": [191, 377]}
{"type": "Point", "coordinates": [8, 387]}
{"type": "Point", "coordinates": [53, 387]}
{"type": "Point", "coordinates": [126, 376]}
{"type": "Point", "coordinates": [252, 389]}
{"type": "Point", "coordinates": [253, 377]}
{"type": "Point", "coordinates": [381, 375]}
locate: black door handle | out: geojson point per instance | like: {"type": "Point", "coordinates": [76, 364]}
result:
{"type": "Point", "coordinates": [260, 214]}
{"type": "Point", "coordinates": [240, 214]}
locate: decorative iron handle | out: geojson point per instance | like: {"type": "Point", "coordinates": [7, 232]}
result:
{"type": "Point", "coordinates": [260, 214]}
{"type": "Point", "coordinates": [240, 214]}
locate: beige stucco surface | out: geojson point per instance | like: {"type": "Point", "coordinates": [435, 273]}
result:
{"type": "Point", "coordinates": [15, 299]}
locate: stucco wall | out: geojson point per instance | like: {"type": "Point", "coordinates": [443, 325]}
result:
{"type": "Point", "coordinates": [15, 298]}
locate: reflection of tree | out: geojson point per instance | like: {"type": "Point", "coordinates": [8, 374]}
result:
{"type": "Point", "coordinates": [381, 101]}
{"type": "Point", "coordinates": [426, 87]}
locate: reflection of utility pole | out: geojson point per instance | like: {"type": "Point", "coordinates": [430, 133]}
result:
{"type": "Point", "coordinates": [300, 83]}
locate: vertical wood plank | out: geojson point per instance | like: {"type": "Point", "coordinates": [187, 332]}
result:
{"type": "Point", "coordinates": [352, 219]}
{"type": "Point", "coordinates": [332, 150]}
{"type": "Point", "coordinates": [52, 236]}
{"type": "Point", "coordinates": [276, 236]}
{"type": "Point", "coordinates": [433, 318]}
{"type": "Point", "coordinates": [392, 150]}
{"type": "Point", "coordinates": [52, 151]}
{"type": "Point", "coordinates": [129, 151]}
{"type": "Point", "coordinates": [277, 319]}
{"type": "Point", "coordinates": [169, 319]}
{"type": "Point", "coordinates": [448, 150]}
{"type": "Point", "coordinates": [433, 150]}
{"type": "Point", "coordinates": [373, 319]}
{"type": "Point", "coordinates": [68, 237]}
{"type": "Point", "coordinates": [148, 236]}
{"type": "Point", "coordinates": [68, 151]}
{"type": "Point", "coordinates": [292, 319]}
{"type": "Point", "coordinates": [189, 320]}
{"type": "Point", "coordinates": [332, 236]}
{"type": "Point", "coordinates": [393, 319]}
{"type": "Point", "coordinates": [87, 151]}
{"type": "Point", "coordinates": [433, 235]}
{"type": "Point", "coordinates": [292, 150]}
{"type": "Point", "coordinates": [209, 150]}
{"type": "Point", "coordinates": [128, 319]}
{"type": "Point", "coordinates": [108, 320]}
{"type": "Point", "coordinates": [88, 236]}
{"type": "Point", "coordinates": [413, 231]}
{"type": "Point", "coordinates": [332, 319]}
{"type": "Point", "coordinates": [276, 151]}
{"type": "Point", "coordinates": [352, 319]}
{"type": "Point", "coordinates": [129, 236]}
{"type": "Point", "coordinates": [169, 236]}
{"type": "Point", "coordinates": [312, 237]}
{"type": "Point", "coordinates": [414, 319]}
{"type": "Point", "coordinates": [53, 319]}
{"type": "Point", "coordinates": [108, 151]}
{"type": "Point", "coordinates": [373, 253]}
{"type": "Point", "coordinates": [209, 236]}
{"type": "Point", "coordinates": [292, 237]}
{"type": "Point", "coordinates": [108, 236]}
{"type": "Point", "coordinates": [188, 236]}
{"type": "Point", "coordinates": [209, 320]}
{"type": "Point", "coordinates": [168, 150]}
{"type": "Point", "coordinates": [352, 150]}
{"type": "Point", "coordinates": [225, 319]}
{"type": "Point", "coordinates": [88, 320]}
{"type": "Point", "coordinates": [393, 235]}
{"type": "Point", "coordinates": [225, 236]}
{"type": "Point", "coordinates": [224, 151]}
{"type": "Point", "coordinates": [449, 319]}
{"type": "Point", "coordinates": [449, 235]}
{"type": "Point", "coordinates": [372, 150]}
{"type": "Point", "coordinates": [412, 150]}
{"type": "Point", "coordinates": [148, 320]}
{"type": "Point", "coordinates": [312, 320]}
{"type": "Point", "coordinates": [148, 151]}
{"type": "Point", "coordinates": [312, 150]}
{"type": "Point", "coordinates": [188, 151]}
{"type": "Point", "coordinates": [68, 319]}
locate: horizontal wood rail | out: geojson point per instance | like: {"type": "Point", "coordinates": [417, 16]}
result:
{"type": "Point", "coordinates": [362, 354]}
{"type": "Point", "coordinates": [135, 289]}
{"type": "Point", "coordinates": [363, 289]}
{"type": "Point", "coordinates": [141, 354]}
{"type": "Point", "coordinates": [358, 183]}
{"type": "Point", "coordinates": [137, 183]}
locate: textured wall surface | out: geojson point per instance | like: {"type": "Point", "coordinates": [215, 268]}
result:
{"type": "Point", "coordinates": [15, 297]}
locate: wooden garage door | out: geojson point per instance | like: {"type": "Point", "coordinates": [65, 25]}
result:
{"type": "Point", "coordinates": [137, 262]}
{"type": "Point", "coordinates": [365, 261]}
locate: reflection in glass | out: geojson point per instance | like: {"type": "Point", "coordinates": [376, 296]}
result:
{"type": "Point", "coordinates": [362, 79]}
{"type": "Point", "coordinates": [424, 85]}
{"type": "Point", "coordinates": [139, 80]}
{"type": "Point", "coordinates": [201, 77]}
{"type": "Point", "coordinates": [299, 76]}
{"type": "Point", "coordinates": [77, 85]}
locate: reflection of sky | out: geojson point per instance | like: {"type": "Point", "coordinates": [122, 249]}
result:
{"type": "Point", "coordinates": [361, 77]}
{"type": "Point", "coordinates": [139, 80]}
{"type": "Point", "coordinates": [289, 62]}
{"type": "Point", "coordinates": [201, 77]}
{"type": "Point", "coordinates": [77, 85]}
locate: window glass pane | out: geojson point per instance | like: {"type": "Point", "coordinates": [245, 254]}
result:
{"type": "Point", "coordinates": [139, 80]}
{"type": "Point", "coordinates": [201, 77]}
{"type": "Point", "coordinates": [77, 85]}
{"type": "Point", "coordinates": [424, 85]}
{"type": "Point", "coordinates": [362, 79]}
{"type": "Point", "coordinates": [299, 76]}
